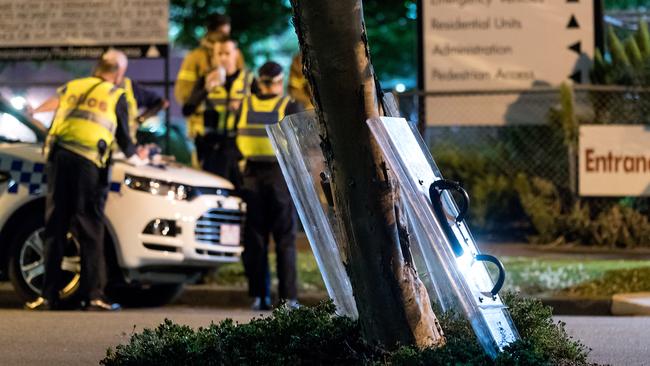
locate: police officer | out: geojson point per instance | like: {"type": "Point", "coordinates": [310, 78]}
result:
{"type": "Point", "coordinates": [299, 88]}
{"type": "Point", "coordinates": [137, 98]}
{"type": "Point", "coordinates": [221, 92]}
{"type": "Point", "coordinates": [270, 210]}
{"type": "Point", "coordinates": [92, 114]}
{"type": "Point", "coordinates": [197, 64]}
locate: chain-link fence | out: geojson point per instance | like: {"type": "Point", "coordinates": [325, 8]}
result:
{"type": "Point", "coordinates": [519, 160]}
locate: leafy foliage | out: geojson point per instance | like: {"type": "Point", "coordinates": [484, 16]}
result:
{"type": "Point", "coordinates": [391, 26]}
{"type": "Point", "coordinates": [614, 282]}
{"type": "Point", "coordinates": [316, 336]}
{"type": "Point", "coordinates": [494, 206]}
{"type": "Point", "coordinates": [252, 21]}
{"type": "Point", "coordinates": [535, 275]}
{"type": "Point", "coordinates": [589, 221]}
{"type": "Point", "coordinates": [288, 337]}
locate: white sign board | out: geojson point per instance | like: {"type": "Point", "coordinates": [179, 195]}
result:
{"type": "Point", "coordinates": [478, 45]}
{"type": "Point", "coordinates": [614, 160]}
{"type": "Point", "coordinates": [41, 29]}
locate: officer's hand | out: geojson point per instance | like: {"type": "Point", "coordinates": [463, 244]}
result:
{"type": "Point", "coordinates": [213, 80]}
{"type": "Point", "coordinates": [233, 106]}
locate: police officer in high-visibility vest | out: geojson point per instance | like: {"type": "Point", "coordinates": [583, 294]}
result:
{"type": "Point", "coordinates": [221, 92]}
{"type": "Point", "coordinates": [299, 88]}
{"type": "Point", "coordinates": [197, 64]}
{"type": "Point", "coordinates": [92, 114]}
{"type": "Point", "coordinates": [139, 98]}
{"type": "Point", "coordinates": [270, 210]}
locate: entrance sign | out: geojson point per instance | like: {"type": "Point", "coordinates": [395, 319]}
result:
{"type": "Point", "coordinates": [614, 160]}
{"type": "Point", "coordinates": [69, 29]}
{"type": "Point", "coordinates": [497, 45]}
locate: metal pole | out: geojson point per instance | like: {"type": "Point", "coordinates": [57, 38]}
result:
{"type": "Point", "coordinates": [599, 29]}
{"type": "Point", "coordinates": [422, 121]}
{"type": "Point", "coordinates": [167, 97]}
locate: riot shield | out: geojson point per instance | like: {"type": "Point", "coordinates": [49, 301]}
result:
{"type": "Point", "coordinates": [297, 145]}
{"type": "Point", "coordinates": [445, 251]}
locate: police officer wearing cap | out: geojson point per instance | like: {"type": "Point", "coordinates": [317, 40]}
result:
{"type": "Point", "coordinates": [92, 114]}
{"type": "Point", "coordinates": [270, 210]}
{"type": "Point", "coordinates": [220, 93]}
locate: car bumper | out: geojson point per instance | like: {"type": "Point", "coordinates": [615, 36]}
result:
{"type": "Point", "coordinates": [196, 242]}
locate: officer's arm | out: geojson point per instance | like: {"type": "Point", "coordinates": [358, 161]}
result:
{"type": "Point", "coordinates": [186, 78]}
{"type": "Point", "coordinates": [196, 98]}
{"type": "Point", "coordinates": [294, 107]}
{"type": "Point", "coordinates": [122, 135]}
{"type": "Point", "coordinates": [149, 100]}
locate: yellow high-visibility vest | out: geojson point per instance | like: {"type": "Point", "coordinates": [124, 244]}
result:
{"type": "Point", "coordinates": [256, 114]}
{"type": "Point", "coordinates": [133, 108]}
{"type": "Point", "coordinates": [85, 121]}
{"type": "Point", "coordinates": [219, 97]}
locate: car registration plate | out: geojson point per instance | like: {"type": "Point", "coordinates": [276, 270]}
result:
{"type": "Point", "coordinates": [230, 234]}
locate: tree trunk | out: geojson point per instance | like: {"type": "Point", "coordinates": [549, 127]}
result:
{"type": "Point", "coordinates": [393, 304]}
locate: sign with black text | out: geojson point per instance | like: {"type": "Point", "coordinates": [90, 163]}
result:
{"type": "Point", "coordinates": [614, 160]}
{"type": "Point", "coordinates": [497, 45]}
{"type": "Point", "coordinates": [69, 29]}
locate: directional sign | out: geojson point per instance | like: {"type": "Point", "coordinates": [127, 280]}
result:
{"type": "Point", "coordinates": [495, 45]}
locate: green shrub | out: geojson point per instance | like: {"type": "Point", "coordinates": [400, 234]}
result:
{"type": "Point", "coordinates": [613, 282]}
{"type": "Point", "coordinates": [316, 336]}
{"type": "Point", "coordinates": [494, 207]}
{"type": "Point", "coordinates": [601, 222]}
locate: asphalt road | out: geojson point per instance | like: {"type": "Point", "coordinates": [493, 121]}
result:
{"type": "Point", "coordinates": [81, 338]}
{"type": "Point", "coordinates": [613, 340]}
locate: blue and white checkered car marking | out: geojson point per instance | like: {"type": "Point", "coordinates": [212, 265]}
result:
{"type": "Point", "coordinates": [24, 175]}
{"type": "Point", "coordinates": [31, 176]}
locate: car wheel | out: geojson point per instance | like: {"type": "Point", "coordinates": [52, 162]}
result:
{"type": "Point", "coordinates": [145, 296]}
{"type": "Point", "coordinates": [27, 263]}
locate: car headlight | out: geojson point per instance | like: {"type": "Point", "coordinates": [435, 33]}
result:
{"type": "Point", "coordinates": [158, 187]}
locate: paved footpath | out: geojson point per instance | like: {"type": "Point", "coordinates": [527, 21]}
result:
{"type": "Point", "coordinates": [81, 338]}
{"type": "Point", "coordinates": [614, 340]}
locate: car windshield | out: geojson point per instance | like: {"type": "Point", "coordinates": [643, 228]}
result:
{"type": "Point", "coordinates": [15, 126]}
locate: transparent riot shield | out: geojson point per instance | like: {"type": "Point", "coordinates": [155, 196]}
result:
{"type": "Point", "coordinates": [445, 252]}
{"type": "Point", "coordinates": [297, 145]}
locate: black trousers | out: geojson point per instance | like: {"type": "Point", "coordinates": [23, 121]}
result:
{"type": "Point", "coordinates": [219, 155]}
{"type": "Point", "coordinates": [74, 204]}
{"type": "Point", "coordinates": [270, 211]}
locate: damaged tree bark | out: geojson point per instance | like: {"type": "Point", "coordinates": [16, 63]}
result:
{"type": "Point", "coordinates": [393, 304]}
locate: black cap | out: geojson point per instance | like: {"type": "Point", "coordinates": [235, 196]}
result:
{"type": "Point", "coordinates": [269, 70]}
{"type": "Point", "coordinates": [216, 20]}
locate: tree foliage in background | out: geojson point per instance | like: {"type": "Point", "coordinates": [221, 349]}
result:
{"type": "Point", "coordinates": [392, 35]}
{"type": "Point", "coordinates": [391, 25]}
{"type": "Point", "coordinates": [627, 61]}
{"type": "Point", "coordinates": [252, 21]}
{"type": "Point", "coordinates": [626, 4]}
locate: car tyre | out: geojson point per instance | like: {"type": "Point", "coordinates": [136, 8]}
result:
{"type": "Point", "coordinates": [26, 263]}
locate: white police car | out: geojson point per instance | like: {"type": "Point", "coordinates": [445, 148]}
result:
{"type": "Point", "coordinates": [165, 226]}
